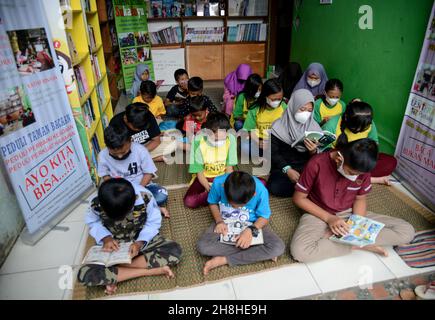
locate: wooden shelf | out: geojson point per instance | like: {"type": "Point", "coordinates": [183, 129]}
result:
{"type": "Point", "coordinates": [97, 48]}
{"type": "Point", "coordinates": [106, 104]}
{"type": "Point", "coordinates": [175, 45]}
{"type": "Point", "coordinates": [86, 96]}
{"type": "Point", "coordinates": [80, 58]}
{"type": "Point", "coordinates": [91, 12]}
{"type": "Point", "coordinates": [203, 43]}
{"type": "Point", "coordinates": [93, 128]}
{"type": "Point", "coordinates": [247, 17]}
{"type": "Point", "coordinates": [101, 78]}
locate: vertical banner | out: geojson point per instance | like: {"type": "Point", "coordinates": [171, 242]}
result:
{"type": "Point", "coordinates": [415, 150]}
{"type": "Point", "coordinates": [39, 142]}
{"type": "Point", "coordinates": [133, 39]}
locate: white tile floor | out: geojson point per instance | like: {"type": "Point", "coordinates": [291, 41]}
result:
{"type": "Point", "coordinates": [46, 271]}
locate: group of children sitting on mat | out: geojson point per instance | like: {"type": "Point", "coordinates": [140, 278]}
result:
{"type": "Point", "coordinates": [327, 184]}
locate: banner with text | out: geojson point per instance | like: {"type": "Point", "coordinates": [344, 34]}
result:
{"type": "Point", "coordinates": [415, 149]}
{"type": "Point", "coordinates": [39, 142]}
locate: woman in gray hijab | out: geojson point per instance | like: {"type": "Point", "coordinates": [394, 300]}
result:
{"type": "Point", "coordinates": [287, 161]}
{"type": "Point", "coordinates": [313, 79]}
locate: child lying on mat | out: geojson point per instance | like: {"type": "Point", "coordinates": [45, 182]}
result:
{"type": "Point", "coordinates": [125, 213]}
{"type": "Point", "coordinates": [333, 185]}
{"type": "Point", "coordinates": [242, 199]}
{"type": "Point", "coordinates": [123, 158]}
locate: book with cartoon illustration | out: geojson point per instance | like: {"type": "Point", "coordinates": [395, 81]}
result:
{"type": "Point", "coordinates": [363, 231]}
{"type": "Point", "coordinates": [237, 220]}
{"type": "Point", "coordinates": [96, 255]}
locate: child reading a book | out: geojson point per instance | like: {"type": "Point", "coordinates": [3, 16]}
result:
{"type": "Point", "coordinates": [213, 153]}
{"type": "Point", "coordinates": [195, 87]}
{"type": "Point", "coordinates": [357, 123]}
{"type": "Point", "coordinates": [245, 99]}
{"type": "Point", "coordinates": [333, 185]}
{"type": "Point", "coordinates": [268, 108]}
{"type": "Point", "coordinates": [148, 95]}
{"type": "Point", "coordinates": [143, 128]}
{"type": "Point", "coordinates": [123, 158]}
{"type": "Point", "coordinates": [243, 197]}
{"type": "Point", "coordinates": [125, 213]}
{"type": "Point", "coordinates": [177, 94]}
{"type": "Point", "coordinates": [288, 161]}
{"type": "Point", "coordinates": [329, 104]}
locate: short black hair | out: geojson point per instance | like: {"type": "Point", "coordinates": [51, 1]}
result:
{"type": "Point", "coordinates": [179, 72]}
{"type": "Point", "coordinates": [197, 103]}
{"type": "Point", "coordinates": [252, 84]}
{"type": "Point", "coordinates": [332, 84]}
{"type": "Point", "coordinates": [195, 84]}
{"type": "Point", "coordinates": [139, 115]}
{"type": "Point", "coordinates": [360, 155]}
{"type": "Point", "coordinates": [357, 117]}
{"type": "Point", "coordinates": [216, 121]}
{"type": "Point", "coordinates": [239, 187]}
{"type": "Point", "coordinates": [116, 137]}
{"type": "Point", "coordinates": [148, 87]}
{"type": "Point", "coordinates": [116, 197]}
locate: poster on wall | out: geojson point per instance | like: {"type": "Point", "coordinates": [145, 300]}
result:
{"type": "Point", "coordinates": [415, 150]}
{"type": "Point", "coordinates": [133, 40]}
{"type": "Point", "coordinates": [39, 142]}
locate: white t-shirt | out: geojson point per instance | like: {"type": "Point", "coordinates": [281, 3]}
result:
{"type": "Point", "coordinates": [138, 163]}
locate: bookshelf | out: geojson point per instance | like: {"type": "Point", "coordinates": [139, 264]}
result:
{"type": "Point", "coordinates": [213, 60]}
{"type": "Point", "coordinates": [92, 84]}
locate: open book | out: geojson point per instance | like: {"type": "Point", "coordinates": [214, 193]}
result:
{"type": "Point", "coordinates": [324, 138]}
{"type": "Point", "coordinates": [235, 228]}
{"type": "Point", "coordinates": [363, 231]}
{"type": "Point", "coordinates": [96, 255]}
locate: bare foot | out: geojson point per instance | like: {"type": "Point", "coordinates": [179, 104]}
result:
{"type": "Point", "coordinates": [381, 180]}
{"type": "Point", "coordinates": [214, 263]}
{"type": "Point", "coordinates": [407, 294]}
{"type": "Point", "coordinates": [165, 212]}
{"type": "Point", "coordinates": [275, 259]}
{"type": "Point", "coordinates": [376, 249]}
{"type": "Point", "coordinates": [110, 289]}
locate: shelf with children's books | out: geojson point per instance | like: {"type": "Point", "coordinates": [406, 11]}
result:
{"type": "Point", "coordinates": [90, 96]}
{"type": "Point", "coordinates": [232, 23]}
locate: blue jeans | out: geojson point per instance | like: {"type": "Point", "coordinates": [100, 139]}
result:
{"type": "Point", "coordinates": [159, 193]}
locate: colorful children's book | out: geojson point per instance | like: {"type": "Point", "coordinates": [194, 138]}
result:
{"type": "Point", "coordinates": [324, 138]}
{"type": "Point", "coordinates": [96, 255]}
{"type": "Point", "coordinates": [363, 231]}
{"type": "Point", "coordinates": [237, 220]}
{"type": "Point", "coordinates": [156, 9]}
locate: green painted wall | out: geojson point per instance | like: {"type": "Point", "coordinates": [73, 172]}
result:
{"type": "Point", "coordinates": [376, 65]}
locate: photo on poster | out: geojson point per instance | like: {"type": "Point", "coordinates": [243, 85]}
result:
{"type": "Point", "coordinates": [142, 38]}
{"type": "Point", "coordinates": [129, 56]}
{"type": "Point", "coordinates": [15, 110]}
{"type": "Point", "coordinates": [31, 50]}
{"type": "Point", "coordinates": [126, 40]}
{"type": "Point", "coordinates": [143, 54]}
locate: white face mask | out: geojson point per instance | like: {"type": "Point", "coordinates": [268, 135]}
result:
{"type": "Point", "coordinates": [313, 83]}
{"type": "Point", "coordinates": [303, 116]}
{"type": "Point", "coordinates": [257, 94]}
{"type": "Point", "coordinates": [332, 101]}
{"type": "Point", "coordinates": [273, 104]}
{"type": "Point", "coordinates": [341, 170]}
{"type": "Point", "coordinates": [218, 143]}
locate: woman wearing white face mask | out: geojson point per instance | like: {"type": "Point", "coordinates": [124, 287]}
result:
{"type": "Point", "coordinates": [329, 104]}
{"type": "Point", "coordinates": [245, 99]}
{"type": "Point", "coordinates": [313, 79]}
{"type": "Point", "coordinates": [268, 108]}
{"type": "Point", "coordinates": [287, 161]}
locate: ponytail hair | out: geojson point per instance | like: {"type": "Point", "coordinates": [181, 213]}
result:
{"type": "Point", "coordinates": [357, 118]}
{"type": "Point", "coordinates": [270, 87]}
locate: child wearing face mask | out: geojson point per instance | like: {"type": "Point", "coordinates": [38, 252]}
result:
{"type": "Point", "coordinates": [177, 94]}
{"type": "Point", "coordinates": [268, 108]}
{"type": "Point", "coordinates": [313, 79]}
{"type": "Point", "coordinates": [333, 185]}
{"type": "Point", "coordinates": [245, 99]}
{"type": "Point", "coordinates": [330, 104]}
{"type": "Point", "coordinates": [287, 161]}
{"type": "Point", "coordinates": [123, 158]}
{"type": "Point", "coordinates": [213, 153]}
{"type": "Point", "coordinates": [357, 123]}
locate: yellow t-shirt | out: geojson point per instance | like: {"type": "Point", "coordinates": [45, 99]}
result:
{"type": "Point", "coordinates": [350, 135]}
{"type": "Point", "coordinates": [262, 121]}
{"type": "Point", "coordinates": [157, 106]}
{"type": "Point", "coordinates": [327, 112]}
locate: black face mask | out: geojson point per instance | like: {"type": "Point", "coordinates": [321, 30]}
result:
{"type": "Point", "coordinates": [125, 156]}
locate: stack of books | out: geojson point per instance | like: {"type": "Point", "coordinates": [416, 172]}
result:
{"type": "Point", "coordinates": [214, 34]}
{"type": "Point", "coordinates": [247, 32]}
{"type": "Point", "coordinates": [166, 36]}
{"type": "Point", "coordinates": [185, 8]}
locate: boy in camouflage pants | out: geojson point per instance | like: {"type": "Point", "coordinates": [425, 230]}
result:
{"type": "Point", "coordinates": [123, 212]}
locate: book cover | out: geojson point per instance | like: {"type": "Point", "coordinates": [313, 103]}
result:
{"type": "Point", "coordinates": [363, 231]}
{"type": "Point", "coordinates": [156, 9]}
{"type": "Point", "coordinates": [324, 138]}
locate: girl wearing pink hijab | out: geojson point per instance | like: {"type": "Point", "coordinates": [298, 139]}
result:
{"type": "Point", "coordinates": [233, 84]}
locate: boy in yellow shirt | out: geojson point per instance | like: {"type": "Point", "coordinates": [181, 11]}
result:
{"type": "Point", "coordinates": [148, 95]}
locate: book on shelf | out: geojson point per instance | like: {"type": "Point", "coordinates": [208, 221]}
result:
{"type": "Point", "coordinates": [204, 34]}
{"type": "Point", "coordinates": [95, 144]}
{"type": "Point", "coordinates": [110, 12]}
{"type": "Point", "coordinates": [96, 67]}
{"type": "Point", "coordinates": [105, 121]}
{"type": "Point", "coordinates": [247, 32]}
{"type": "Point", "coordinates": [87, 5]}
{"type": "Point", "coordinates": [166, 36]}
{"type": "Point", "coordinates": [207, 8]}
{"type": "Point", "coordinates": [71, 46]}
{"type": "Point", "coordinates": [88, 113]}
{"type": "Point", "coordinates": [82, 81]}
{"type": "Point", "coordinates": [113, 35]}
{"type": "Point", "coordinates": [247, 8]}
{"type": "Point", "coordinates": [96, 255]}
{"type": "Point", "coordinates": [101, 96]}
{"type": "Point", "coordinates": [92, 41]}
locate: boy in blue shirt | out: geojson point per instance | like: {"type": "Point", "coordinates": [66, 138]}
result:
{"type": "Point", "coordinates": [244, 197]}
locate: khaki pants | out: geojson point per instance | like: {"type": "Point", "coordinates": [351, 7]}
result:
{"type": "Point", "coordinates": [309, 243]}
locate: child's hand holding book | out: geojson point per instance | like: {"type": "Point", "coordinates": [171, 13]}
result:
{"type": "Point", "coordinates": [337, 225]}
{"type": "Point", "coordinates": [135, 248]}
{"type": "Point", "coordinates": [221, 228]}
{"type": "Point", "coordinates": [110, 244]}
